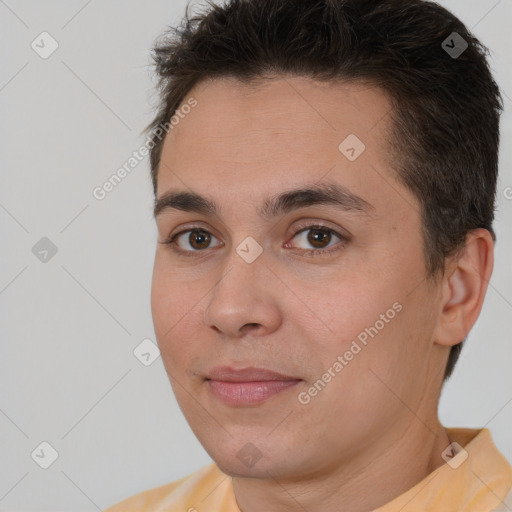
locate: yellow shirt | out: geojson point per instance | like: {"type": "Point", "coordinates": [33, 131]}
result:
{"type": "Point", "coordinates": [478, 483]}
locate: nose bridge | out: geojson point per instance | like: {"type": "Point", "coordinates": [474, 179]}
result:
{"type": "Point", "coordinates": [243, 275]}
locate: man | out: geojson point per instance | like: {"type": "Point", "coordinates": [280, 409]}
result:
{"type": "Point", "coordinates": [324, 203]}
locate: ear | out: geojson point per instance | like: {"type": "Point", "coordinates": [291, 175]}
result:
{"type": "Point", "coordinates": [463, 288]}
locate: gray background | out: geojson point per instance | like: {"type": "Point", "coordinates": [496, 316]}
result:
{"type": "Point", "coordinates": [68, 375]}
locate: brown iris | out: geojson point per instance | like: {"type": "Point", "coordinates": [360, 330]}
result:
{"type": "Point", "coordinates": [316, 238]}
{"type": "Point", "coordinates": [199, 239]}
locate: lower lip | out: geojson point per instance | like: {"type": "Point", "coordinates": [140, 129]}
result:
{"type": "Point", "coordinates": [248, 393]}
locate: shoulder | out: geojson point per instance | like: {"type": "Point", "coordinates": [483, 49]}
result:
{"type": "Point", "coordinates": [188, 491]}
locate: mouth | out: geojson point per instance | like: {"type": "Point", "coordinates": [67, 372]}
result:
{"type": "Point", "coordinates": [247, 386]}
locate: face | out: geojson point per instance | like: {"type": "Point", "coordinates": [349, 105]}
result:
{"type": "Point", "coordinates": [325, 287]}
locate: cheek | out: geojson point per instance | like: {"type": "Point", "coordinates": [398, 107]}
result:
{"type": "Point", "coordinates": [373, 315]}
{"type": "Point", "coordinates": [172, 297]}
{"type": "Point", "coordinates": [174, 315]}
{"type": "Point", "coordinates": [346, 305]}
{"type": "Point", "coordinates": [393, 363]}
{"type": "Point", "coordinates": [160, 297]}
{"type": "Point", "coordinates": [372, 373]}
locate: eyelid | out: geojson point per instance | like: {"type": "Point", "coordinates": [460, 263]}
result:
{"type": "Point", "coordinates": [311, 224]}
{"type": "Point", "coordinates": [192, 226]}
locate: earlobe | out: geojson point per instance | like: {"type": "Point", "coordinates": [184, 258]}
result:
{"type": "Point", "coordinates": [464, 287]}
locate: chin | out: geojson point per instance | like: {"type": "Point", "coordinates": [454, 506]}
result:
{"type": "Point", "coordinates": [233, 467]}
{"type": "Point", "coordinates": [242, 458]}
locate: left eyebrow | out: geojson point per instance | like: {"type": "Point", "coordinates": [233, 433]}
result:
{"type": "Point", "coordinates": [331, 194]}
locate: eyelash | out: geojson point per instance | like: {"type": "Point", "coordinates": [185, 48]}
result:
{"type": "Point", "coordinates": [311, 252]}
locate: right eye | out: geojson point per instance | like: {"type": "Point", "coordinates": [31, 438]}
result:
{"type": "Point", "coordinates": [197, 240]}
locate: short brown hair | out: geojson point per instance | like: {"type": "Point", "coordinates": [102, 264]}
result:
{"type": "Point", "coordinates": [446, 106]}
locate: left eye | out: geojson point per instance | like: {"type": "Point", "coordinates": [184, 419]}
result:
{"type": "Point", "coordinates": [318, 237]}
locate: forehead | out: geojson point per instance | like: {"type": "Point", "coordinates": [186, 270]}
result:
{"type": "Point", "coordinates": [249, 141]}
{"type": "Point", "coordinates": [304, 113]}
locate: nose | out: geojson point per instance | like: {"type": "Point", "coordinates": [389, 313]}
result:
{"type": "Point", "coordinates": [245, 300]}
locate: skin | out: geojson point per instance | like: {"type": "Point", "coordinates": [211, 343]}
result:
{"type": "Point", "coordinates": [373, 431]}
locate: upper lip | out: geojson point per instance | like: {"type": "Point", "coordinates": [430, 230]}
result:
{"type": "Point", "coordinates": [249, 374]}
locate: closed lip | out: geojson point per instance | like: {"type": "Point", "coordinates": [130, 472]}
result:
{"type": "Point", "coordinates": [249, 374]}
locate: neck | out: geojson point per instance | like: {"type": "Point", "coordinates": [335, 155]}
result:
{"type": "Point", "coordinates": [394, 464]}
